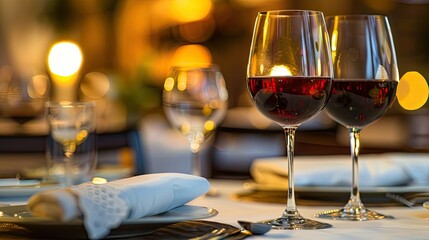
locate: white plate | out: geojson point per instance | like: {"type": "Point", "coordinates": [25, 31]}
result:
{"type": "Point", "coordinates": [14, 182]}
{"type": "Point", "coordinates": [24, 191]}
{"type": "Point", "coordinates": [44, 228]}
{"type": "Point", "coordinates": [250, 185]}
{"type": "Point", "coordinates": [109, 172]}
{"type": "Point", "coordinates": [377, 196]}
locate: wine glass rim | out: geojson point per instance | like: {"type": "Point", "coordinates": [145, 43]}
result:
{"type": "Point", "coordinates": [356, 16]}
{"type": "Point", "coordinates": [70, 103]}
{"type": "Point", "coordinates": [209, 66]}
{"type": "Point", "coordinates": [290, 12]}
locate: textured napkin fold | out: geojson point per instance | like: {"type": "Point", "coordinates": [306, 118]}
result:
{"type": "Point", "coordinates": [106, 206]}
{"type": "Point", "coordinates": [393, 169]}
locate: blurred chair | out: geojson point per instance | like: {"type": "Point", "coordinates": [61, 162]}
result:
{"type": "Point", "coordinates": [128, 138]}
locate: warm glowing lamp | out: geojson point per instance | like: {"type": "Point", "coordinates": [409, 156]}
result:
{"type": "Point", "coordinates": [190, 10]}
{"type": "Point", "coordinates": [412, 91]}
{"type": "Point", "coordinates": [64, 62]}
{"type": "Point", "coordinates": [192, 55]}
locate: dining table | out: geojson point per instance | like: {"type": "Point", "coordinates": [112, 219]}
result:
{"type": "Point", "coordinates": [230, 205]}
{"type": "Point", "coordinates": [407, 223]}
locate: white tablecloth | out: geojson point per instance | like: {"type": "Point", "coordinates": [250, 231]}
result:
{"type": "Point", "coordinates": [409, 223]}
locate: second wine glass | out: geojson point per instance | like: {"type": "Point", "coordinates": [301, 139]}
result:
{"type": "Point", "coordinates": [365, 80]}
{"type": "Point", "coordinates": [195, 101]}
{"type": "Point", "coordinates": [71, 140]}
{"type": "Point", "coordinates": [289, 78]}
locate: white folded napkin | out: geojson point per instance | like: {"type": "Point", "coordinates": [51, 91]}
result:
{"type": "Point", "coordinates": [106, 206]}
{"type": "Point", "coordinates": [391, 169]}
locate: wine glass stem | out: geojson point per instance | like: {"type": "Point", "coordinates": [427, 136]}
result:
{"type": "Point", "coordinates": [355, 201]}
{"type": "Point", "coordinates": [290, 143]}
{"type": "Point", "coordinates": [68, 172]}
{"type": "Point", "coordinates": [196, 163]}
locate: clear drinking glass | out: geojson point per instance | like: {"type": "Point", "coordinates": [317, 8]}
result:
{"type": "Point", "coordinates": [71, 150]}
{"type": "Point", "coordinates": [289, 78]}
{"type": "Point", "coordinates": [195, 101]}
{"type": "Point", "coordinates": [365, 80]}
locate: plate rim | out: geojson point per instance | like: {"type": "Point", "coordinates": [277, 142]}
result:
{"type": "Point", "coordinates": [24, 191]}
{"type": "Point", "coordinates": [154, 219]}
{"type": "Point", "coordinates": [19, 183]}
{"type": "Point", "coordinates": [252, 185]}
{"type": "Point", "coordinates": [128, 228]}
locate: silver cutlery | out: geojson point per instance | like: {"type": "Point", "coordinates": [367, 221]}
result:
{"type": "Point", "coordinates": [248, 229]}
{"type": "Point", "coordinates": [410, 201]}
{"type": "Point", "coordinates": [217, 234]}
{"type": "Point", "coordinates": [255, 228]}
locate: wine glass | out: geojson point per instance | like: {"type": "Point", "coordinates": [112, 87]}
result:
{"type": "Point", "coordinates": [195, 100]}
{"type": "Point", "coordinates": [365, 80]}
{"type": "Point", "coordinates": [289, 78]}
{"type": "Point", "coordinates": [71, 124]}
{"type": "Point", "coordinates": [22, 94]}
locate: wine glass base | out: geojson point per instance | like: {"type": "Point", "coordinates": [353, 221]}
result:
{"type": "Point", "coordinates": [212, 192]}
{"type": "Point", "coordinates": [348, 215]}
{"type": "Point", "coordinates": [295, 223]}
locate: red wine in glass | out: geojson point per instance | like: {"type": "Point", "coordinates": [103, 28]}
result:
{"type": "Point", "coordinates": [365, 78]}
{"type": "Point", "coordinates": [289, 79]}
{"type": "Point", "coordinates": [289, 100]}
{"type": "Point", "coordinates": [359, 102]}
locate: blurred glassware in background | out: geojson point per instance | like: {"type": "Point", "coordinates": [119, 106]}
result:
{"type": "Point", "coordinates": [22, 96]}
{"type": "Point", "coordinates": [24, 84]}
{"type": "Point", "coordinates": [195, 101]}
{"type": "Point", "coordinates": [71, 149]}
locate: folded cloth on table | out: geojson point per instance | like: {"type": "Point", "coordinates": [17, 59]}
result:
{"type": "Point", "coordinates": [106, 206]}
{"type": "Point", "coordinates": [390, 169]}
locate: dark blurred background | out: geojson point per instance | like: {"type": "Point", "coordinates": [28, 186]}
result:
{"type": "Point", "coordinates": [128, 45]}
{"type": "Point", "coordinates": [134, 40]}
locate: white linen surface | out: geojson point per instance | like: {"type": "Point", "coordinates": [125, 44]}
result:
{"type": "Point", "coordinates": [106, 206]}
{"type": "Point", "coordinates": [390, 169]}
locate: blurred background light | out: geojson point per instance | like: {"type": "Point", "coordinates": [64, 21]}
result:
{"type": "Point", "coordinates": [199, 31]}
{"type": "Point", "coordinates": [38, 86]}
{"type": "Point", "coordinates": [190, 10]}
{"type": "Point", "coordinates": [191, 55]}
{"type": "Point", "coordinates": [169, 84]}
{"type": "Point", "coordinates": [95, 85]}
{"type": "Point", "coordinates": [412, 92]}
{"type": "Point", "coordinates": [382, 6]}
{"type": "Point", "coordinates": [65, 59]}
{"type": "Point", "coordinates": [182, 81]}
{"type": "Point", "coordinates": [209, 125]}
